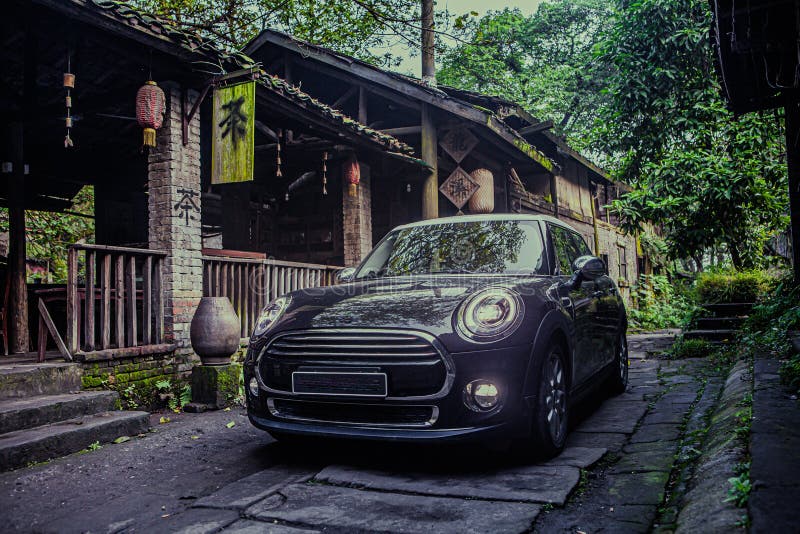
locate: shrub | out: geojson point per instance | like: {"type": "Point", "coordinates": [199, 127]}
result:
{"type": "Point", "coordinates": [692, 348]}
{"type": "Point", "coordinates": [732, 286]}
{"type": "Point", "coordinates": [659, 304]}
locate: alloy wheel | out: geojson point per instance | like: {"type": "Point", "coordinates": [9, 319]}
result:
{"type": "Point", "coordinates": [556, 398]}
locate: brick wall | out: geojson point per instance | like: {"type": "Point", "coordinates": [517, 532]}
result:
{"type": "Point", "coordinates": [357, 220]}
{"type": "Point", "coordinates": [174, 210]}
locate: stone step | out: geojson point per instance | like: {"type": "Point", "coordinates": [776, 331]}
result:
{"type": "Point", "coordinates": [22, 447]}
{"type": "Point", "coordinates": [721, 334]}
{"type": "Point", "coordinates": [22, 413]}
{"type": "Point", "coordinates": [716, 323]}
{"type": "Point", "coordinates": [728, 309]}
{"type": "Point", "coordinates": [22, 380]}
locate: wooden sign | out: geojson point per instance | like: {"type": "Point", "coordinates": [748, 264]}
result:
{"type": "Point", "coordinates": [459, 187]}
{"type": "Point", "coordinates": [233, 133]}
{"type": "Point", "coordinates": [458, 142]}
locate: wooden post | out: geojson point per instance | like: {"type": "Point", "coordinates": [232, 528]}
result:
{"type": "Point", "coordinates": [793, 163]}
{"type": "Point", "coordinates": [73, 302]}
{"type": "Point", "coordinates": [554, 194]}
{"type": "Point", "coordinates": [430, 187]}
{"type": "Point", "coordinates": [18, 301]}
{"type": "Point", "coordinates": [362, 105]}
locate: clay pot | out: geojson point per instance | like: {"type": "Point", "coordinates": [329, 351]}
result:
{"type": "Point", "coordinates": [215, 331]}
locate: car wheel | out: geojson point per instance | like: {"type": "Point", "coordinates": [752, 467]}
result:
{"type": "Point", "coordinates": [618, 381]}
{"type": "Point", "coordinates": [550, 416]}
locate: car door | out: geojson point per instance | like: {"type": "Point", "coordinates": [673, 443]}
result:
{"type": "Point", "coordinates": [599, 291]}
{"type": "Point", "coordinates": [577, 301]}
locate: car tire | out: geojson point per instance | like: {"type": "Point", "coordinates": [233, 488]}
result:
{"type": "Point", "coordinates": [617, 381]}
{"type": "Point", "coordinates": [551, 412]}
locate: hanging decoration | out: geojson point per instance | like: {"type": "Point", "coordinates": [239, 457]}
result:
{"type": "Point", "coordinates": [351, 172]}
{"type": "Point", "coordinates": [150, 108]}
{"type": "Point", "coordinates": [233, 131]}
{"type": "Point", "coordinates": [482, 201]}
{"type": "Point", "coordinates": [458, 188]}
{"type": "Point", "coordinates": [325, 173]}
{"type": "Point", "coordinates": [278, 172]}
{"type": "Point", "coordinates": [69, 85]}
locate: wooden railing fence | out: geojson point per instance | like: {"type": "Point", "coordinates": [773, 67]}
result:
{"type": "Point", "coordinates": [251, 283]}
{"type": "Point", "coordinates": [118, 301]}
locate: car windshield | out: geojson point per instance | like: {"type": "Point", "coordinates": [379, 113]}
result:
{"type": "Point", "coordinates": [502, 247]}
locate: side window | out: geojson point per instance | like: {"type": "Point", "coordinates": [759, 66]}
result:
{"type": "Point", "coordinates": [580, 244]}
{"type": "Point", "coordinates": [566, 248]}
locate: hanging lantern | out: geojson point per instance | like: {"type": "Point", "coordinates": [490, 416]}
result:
{"type": "Point", "coordinates": [351, 173]}
{"type": "Point", "coordinates": [150, 109]}
{"type": "Point", "coordinates": [482, 200]}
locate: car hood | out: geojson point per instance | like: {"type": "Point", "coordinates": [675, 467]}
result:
{"type": "Point", "coordinates": [424, 303]}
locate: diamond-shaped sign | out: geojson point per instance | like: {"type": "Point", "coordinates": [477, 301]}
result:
{"type": "Point", "coordinates": [458, 187]}
{"type": "Point", "coordinates": [458, 142]}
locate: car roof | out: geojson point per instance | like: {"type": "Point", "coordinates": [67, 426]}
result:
{"type": "Point", "coordinates": [486, 217]}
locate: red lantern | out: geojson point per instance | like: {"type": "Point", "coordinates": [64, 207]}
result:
{"type": "Point", "coordinates": [351, 173]}
{"type": "Point", "coordinates": [150, 109]}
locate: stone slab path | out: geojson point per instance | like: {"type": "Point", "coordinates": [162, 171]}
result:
{"type": "Point", "coordinates": [614, 475]}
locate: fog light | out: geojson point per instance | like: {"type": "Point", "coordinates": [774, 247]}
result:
{"type": "Point", "coordinates": [253, 385]}
{"type": "Point", "coordinates": [481, 395]}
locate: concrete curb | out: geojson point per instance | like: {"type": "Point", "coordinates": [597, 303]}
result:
{"type": "Point", "coordinates": [704, 508]}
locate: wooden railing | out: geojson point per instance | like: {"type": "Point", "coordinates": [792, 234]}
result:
{"type": "Point", "coordinates": [115, 299]}
{"type": "Point", "coordinates": [251, 283]}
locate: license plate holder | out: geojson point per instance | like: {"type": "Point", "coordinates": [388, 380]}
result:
{"type": "Point", "coordinates": [340, 384]}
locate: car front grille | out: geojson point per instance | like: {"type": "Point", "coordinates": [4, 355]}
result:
{"type": "Point", "coordinates": [414, 366]}
{"type": "Point", "coordinates": [353, 414]}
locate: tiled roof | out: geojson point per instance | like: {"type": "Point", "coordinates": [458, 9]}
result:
{"type": "Point", "coordinates": [207, 51]}
{"type": "Point", "coordinates": [281, 86]}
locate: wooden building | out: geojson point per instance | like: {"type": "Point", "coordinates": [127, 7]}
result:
{"type": "Point", "coordinates": [534, 171]}
{"type": "Point", "coordinates": [165, 235]}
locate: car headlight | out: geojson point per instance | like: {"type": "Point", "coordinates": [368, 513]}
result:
{"type": "Point", "coordinates": [270, 314]}
{"type": "Point", "coordinates": [490, 315]}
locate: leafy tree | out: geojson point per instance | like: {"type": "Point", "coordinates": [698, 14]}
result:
{"type": "Point", "coordinates": [543, 61]}
{"type": "Point", "coordinates": [356, 27]}
{"type": "Point", "coordinates": [708, 178]}
{"type": "Point", "coordinates": [50, 233]}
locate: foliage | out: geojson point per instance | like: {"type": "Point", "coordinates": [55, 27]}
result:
{"type": "Point", "coordinates": [728, 286]}
{"type": "Point", "coordinates": [50, 233]}
{"type": "Point", "coordinates": [768, 328]}
{"type": "Point", "coordinates": [707, 178]}
{"type": "Point", "coordinates": [362, 28]}
{"type": "Point", "coordinates": [543, 61]}
{"type": "Point", "coordinates": [659, 304]}
{"type": "Point", "coordinates": [176, 395]}
{"type": "Point", "coordinates": [739, 492]}
{"type": "Point", "coordinates": [692, 348]}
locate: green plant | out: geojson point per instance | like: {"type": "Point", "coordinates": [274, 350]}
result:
{"type": "Point", "coordinates": [740, 488]}
{"type": "Point", "coordinates": [692, 348]}
{"type": "Point", "coordinates": [184, 397]}
{"type": "Point", "coordinates": [732, 286]}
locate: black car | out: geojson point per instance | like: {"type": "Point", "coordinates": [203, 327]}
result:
{"type": "Point", "coordinates": [463, 328]}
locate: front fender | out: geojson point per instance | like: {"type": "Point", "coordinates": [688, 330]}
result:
{"type": "Point", "coordinates": [554, 321]}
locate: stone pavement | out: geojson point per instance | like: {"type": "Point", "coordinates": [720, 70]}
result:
{"type": "Point", "coordinates": [617, 474]}
{"type": "Point", "coordinates": [775, 450]}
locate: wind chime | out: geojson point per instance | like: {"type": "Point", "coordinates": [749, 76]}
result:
{"type": "Point", "coordinates": [69, 85]}
{"type": "Point", "coordinates": [352, 174]}
{"type": "Point", "coordinates": [325, 173]}
{"type": "Point", "coordinates": [150, 108]}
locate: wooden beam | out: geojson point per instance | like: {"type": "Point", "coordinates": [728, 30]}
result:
{"type": "Point", "coordinates": [534, 128]}
{"type": "Point", "coordinates": [345, 97]}
{"type": "Point", "coordinates": [266, 130]}
{"type": "Point", "coordinates": [403, 130]}
{"type": "Point", "coordinates": [51, 327]}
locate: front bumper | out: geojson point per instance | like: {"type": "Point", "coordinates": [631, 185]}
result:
{"type": "Point", "coordinates": [454, 420]}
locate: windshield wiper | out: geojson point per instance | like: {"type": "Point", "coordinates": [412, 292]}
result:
{"type": "Point", "coordinates": [453, 271]}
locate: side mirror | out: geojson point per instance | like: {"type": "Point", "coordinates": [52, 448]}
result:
{"type": "Point", "coordinates": [587, 268]}
{"type": "Point", "coordinates": [345, 275]}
